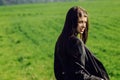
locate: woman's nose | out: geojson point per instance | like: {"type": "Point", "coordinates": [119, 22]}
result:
{"type": "Point", "coordinates": [84, 25]}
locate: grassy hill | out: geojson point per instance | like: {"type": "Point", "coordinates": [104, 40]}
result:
{"type": "Point", "coordinates": [28, 34]}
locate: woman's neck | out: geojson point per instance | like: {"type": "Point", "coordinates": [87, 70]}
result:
{"type": "Point", "coordinates": [79, 36]}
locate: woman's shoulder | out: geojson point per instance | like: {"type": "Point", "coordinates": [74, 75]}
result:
{"type": "Point", "coordinates": [74, 40]}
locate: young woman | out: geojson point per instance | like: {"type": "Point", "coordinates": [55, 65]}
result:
{"type": "Point", "coordinates": [72, 60]}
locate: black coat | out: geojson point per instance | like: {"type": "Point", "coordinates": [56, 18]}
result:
{"type": "Point", "coordinates": [73, 61]}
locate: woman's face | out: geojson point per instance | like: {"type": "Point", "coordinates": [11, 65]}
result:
{"type": "Point", "coordinates": [81, 24]}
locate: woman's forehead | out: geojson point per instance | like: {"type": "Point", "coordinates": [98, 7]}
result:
{"type": "Point", "coordinates": [82, 14]}
{"type": "Point", "coordinates": [84, 18]}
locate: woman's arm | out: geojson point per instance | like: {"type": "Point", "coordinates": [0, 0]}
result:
{"type": "Point", "coordinates": [77, 57]}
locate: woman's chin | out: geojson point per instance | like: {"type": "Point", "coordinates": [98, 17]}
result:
{"type": "Point", "coordinates": [81, 32]}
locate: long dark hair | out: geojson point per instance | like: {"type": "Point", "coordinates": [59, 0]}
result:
{"type": "Point", "coordinates": [71, 23]}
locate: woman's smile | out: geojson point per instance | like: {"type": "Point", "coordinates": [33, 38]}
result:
{"type": "Point", "coordinates": [81, 24]}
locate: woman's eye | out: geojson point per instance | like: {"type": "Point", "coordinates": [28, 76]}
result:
{"type": "Point", "coordinates": [80, 22]}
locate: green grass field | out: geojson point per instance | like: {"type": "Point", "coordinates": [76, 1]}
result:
{"type": "Point", "coordinates": [28, 34]}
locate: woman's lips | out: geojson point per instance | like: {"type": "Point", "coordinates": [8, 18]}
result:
{"type": "Point", "coordinates": [82, 30]}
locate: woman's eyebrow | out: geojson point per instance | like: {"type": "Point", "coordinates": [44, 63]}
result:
{"type": "Point", "coordinates": [85, 15]}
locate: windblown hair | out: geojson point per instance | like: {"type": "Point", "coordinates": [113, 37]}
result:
{"type": "Point", "coordinates": [71, 23]}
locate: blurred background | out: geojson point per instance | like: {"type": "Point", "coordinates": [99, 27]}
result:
{"type": "Point", "coordinates": [9, 2]}
{"type": "Point", "coordinates": [29, 30]}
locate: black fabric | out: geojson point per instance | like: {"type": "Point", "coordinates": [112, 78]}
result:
{"type": "Point", "coordinates": [73, 61]}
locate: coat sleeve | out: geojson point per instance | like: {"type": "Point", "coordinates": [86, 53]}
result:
{"type": "Point", "coordinates": [77, 60]}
